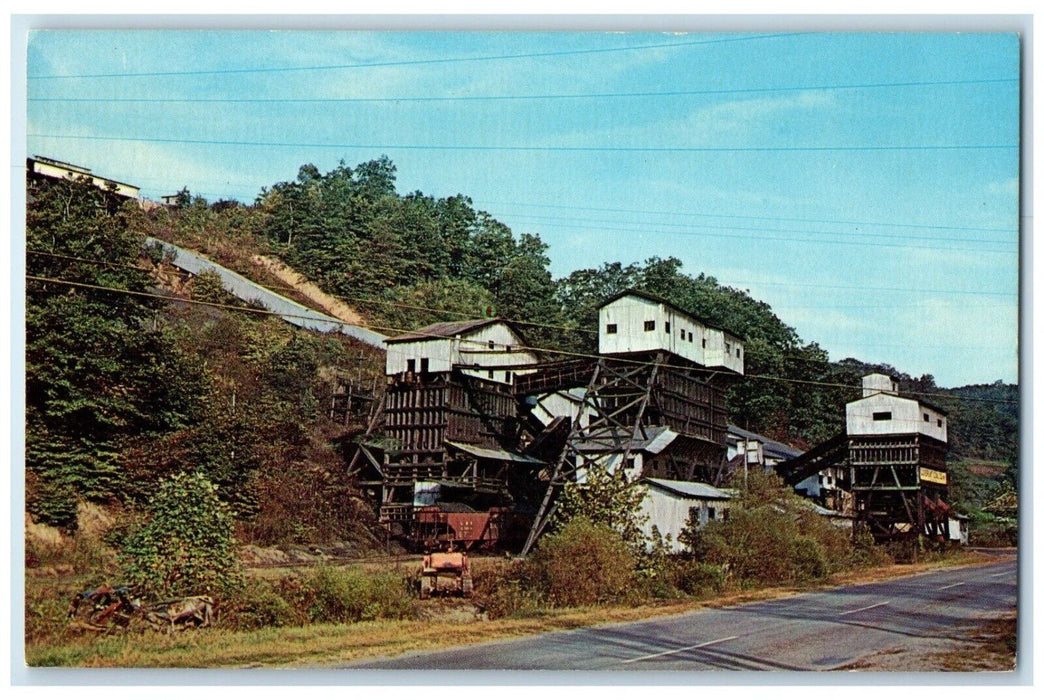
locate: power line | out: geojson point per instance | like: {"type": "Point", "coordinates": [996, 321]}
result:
{"type": "Point", "coordinates": [513, 98]}
{"type": "Point", "coordinates": [543, 149]}
{"type": "Point", "coordinates": [538, 350]}
{"type": "Point", "coordinates": [867, 244]}
{"type": "Point", "coordinates": [418, 62]}
{"type": "Point", "coordinates": [756, 218]}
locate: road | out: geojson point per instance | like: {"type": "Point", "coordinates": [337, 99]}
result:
{"type": "Point", "coordinates": [810, 632]}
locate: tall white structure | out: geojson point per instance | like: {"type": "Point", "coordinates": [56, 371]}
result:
{"type": "Point", "coordinates": [635, 322]}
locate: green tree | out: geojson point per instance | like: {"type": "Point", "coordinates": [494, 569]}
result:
{"type": "Point", "coordinates": [187, 546]}
{"type": "Point", "coordinates": [100, 368]}
{"type": "Point", "coordinates": [608, 498]}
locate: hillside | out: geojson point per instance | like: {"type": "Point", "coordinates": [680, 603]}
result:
{"type": "Point", "coordinates": [371, 255]}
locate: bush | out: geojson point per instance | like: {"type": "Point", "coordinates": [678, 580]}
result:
{"type": "Point", "coordinates": [514, 590]}
{"type": "Point", "coordinates": [585, 564]}
{"type": "Point", "coordinates": [346, 595]}
{"type": "Point", "coordinates": [698, 579]}
{"type": "Point", "coordinates": [186, 547]}
{"type": "Point", "coordinates": [258, 605]}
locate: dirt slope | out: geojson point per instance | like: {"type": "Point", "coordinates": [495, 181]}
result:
{"type": "Point", "coordinates": [331, 305]}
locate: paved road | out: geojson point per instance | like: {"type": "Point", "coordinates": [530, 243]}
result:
{"type": "Point", "coordinates": [810, 632]}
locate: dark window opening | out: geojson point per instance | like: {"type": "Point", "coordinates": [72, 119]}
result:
{"type": "Point", "coordinates": [491, 345]}
{"type": "Point", "coordinates": [490, 374]}
{"type": "Point", "coordinates": [611, 328]}
{"type": "Point", "coordinates": [704, 342]}
{"type": "Point", "coordinates": [711, 514]}
{"type": "Point", "coordinates": [424, 365]}
{"type": "Point", "coordinates": [681, 332]}
{"type": "Point", "coordinates": [667, 327]}
{"type": "Point", "coordinates": [507, 376]}
{"type": "Point", "coordinates": [939, 422]}
{"type": "Point", "coordinates": [737, 352]}
{"type": "Point", "coordinates": [882, 415]}
{"type": "Point", "coordinates": [411, 366]}
{"type": "Point", "coordinates": [690, 336]}
{"type": "Point", "coordinates": [926, 418]}
{"type": "Point", "coordinates": [650, 325]}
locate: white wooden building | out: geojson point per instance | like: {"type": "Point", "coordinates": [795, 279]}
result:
{"type": "Point", "coordinates": [479, 348]}
{"type": "Point", "coordinates": [60, 170]}
{"type": "Point", "coordinates": [636, 322]}
{"type": "Point", "coordinates": [669, 504]}
{"type": "Point", "coordinates": [882, 411]}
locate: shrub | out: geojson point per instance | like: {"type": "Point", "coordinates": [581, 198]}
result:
{"type": "Point", "coordinates": [698, 579]}
{"type": "Point", "coordinates": [258, 605]}
{"type": "Point", "coordinates": [186, 547]}
{"type": "Point", "coordinates": [585, 564]}
{"type": "Point", "coordinates": [514, 590]}
{"type": "Point", "coordinates": [347, 595]}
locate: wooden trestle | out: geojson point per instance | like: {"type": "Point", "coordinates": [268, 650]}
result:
{"type": "Point", "coordinates": [626, 397]}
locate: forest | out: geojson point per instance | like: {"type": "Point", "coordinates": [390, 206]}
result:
{"type": "Point", "coordinates": [125, 388]}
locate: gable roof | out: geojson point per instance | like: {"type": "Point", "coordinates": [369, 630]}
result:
{"type": "Point", "coordinates": [772, 448]}
{"type": "Point", "coordinates": [660, 300]}
{"type": "Point", "coordinates": [688, 489]}
{"type": "Point", "coordinates": [446, 330]}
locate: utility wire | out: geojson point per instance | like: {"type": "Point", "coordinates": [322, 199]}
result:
{"type": "Point", "coordinates": [827, 241]}
{"type": "Point", "coordinates": [437, 336]}
{"type": "Point", "coordinates": [544, 149]}
{"type": "Point", "coordinates": [505, 98]}
{"type": "Point", "coordinates": [756, 218]}
{"type": "Point", "coordinates": [690, 227]}
{"type": "Point", "coordinates": [419, 62]}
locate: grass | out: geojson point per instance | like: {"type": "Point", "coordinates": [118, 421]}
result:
{"type": "Point", "coordinates": [322, 645]}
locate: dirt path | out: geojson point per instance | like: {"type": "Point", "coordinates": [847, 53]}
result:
{"type": "Point", "coordinates": [331, 305]}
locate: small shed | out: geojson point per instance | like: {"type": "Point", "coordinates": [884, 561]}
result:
{"type": "Point", "coordinates": [669, 504]}
{"type": "Point", "coordinates": [490, 349]}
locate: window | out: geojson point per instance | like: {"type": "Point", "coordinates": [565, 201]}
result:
{"type": "Point", "coordinates": [704, 342]}
{"type": "Point", "coordinates": [926, 418]}
{"type": "Point", "coordinates": [737, 352]}
{"type": "Point", "coordinates": [411, 366]}
{"type": "Point", "coordinates": [711, 514]}
{"type": "Point", "coordinates": [490, 374]}
{"type": "Point", "coordinates": [882, 415]}
{"type": "Point", "coordinates": [507, 348]}
{"type": "Point", "coordinates": [690, 336]}
{"type": "Point", "coordinates": [728, 348]}
{"type": "Point", "coordinates": [491, 345]}
{"type": "Point", "coordinates": [424, 365]}
{"type": "Point", "coordinates": [507, 376]}
{"type": "Point", "coordinates": [650, 325]}
{"type": "Point", "coordinates": [667, 327]}
{"type": "Point", "coordinates": [939, 422]}
{"type": "Point", "coordinates": [611, 328]}
{"type": "Point", "coordinates": [681, 332]}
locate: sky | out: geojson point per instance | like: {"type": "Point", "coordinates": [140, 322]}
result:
{"type": "Point", "coordinates": [865, 185]}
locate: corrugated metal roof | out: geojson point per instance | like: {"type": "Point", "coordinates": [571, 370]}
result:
{"type": "Point", "coordinates": [773, 448]}
{"type": "Point", "coordinates": [492, 453]}
{"type": "Point", "coordinates": [689, 489]}
{"type": "Point", "coordinates": [446, 329]}
{"type": "Point", "coordinates": [656, 438]}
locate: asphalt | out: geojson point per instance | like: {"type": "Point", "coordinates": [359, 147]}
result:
{"type": "Point", "coordinates": [820, 631]}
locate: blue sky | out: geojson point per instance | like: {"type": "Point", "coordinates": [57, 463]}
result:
{"type": "Point", "coordinates": [864, 185]}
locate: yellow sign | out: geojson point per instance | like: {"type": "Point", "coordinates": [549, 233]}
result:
{"type": "Point", "coordinates": [932, 475]}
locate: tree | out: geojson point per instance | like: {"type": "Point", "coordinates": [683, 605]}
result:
{"type": "Point", "coordinates": [609, 498]}
{"type": "Point", "coordinates": [100, 369]}
{"type": "Point", "coordinates": [186, 547]}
